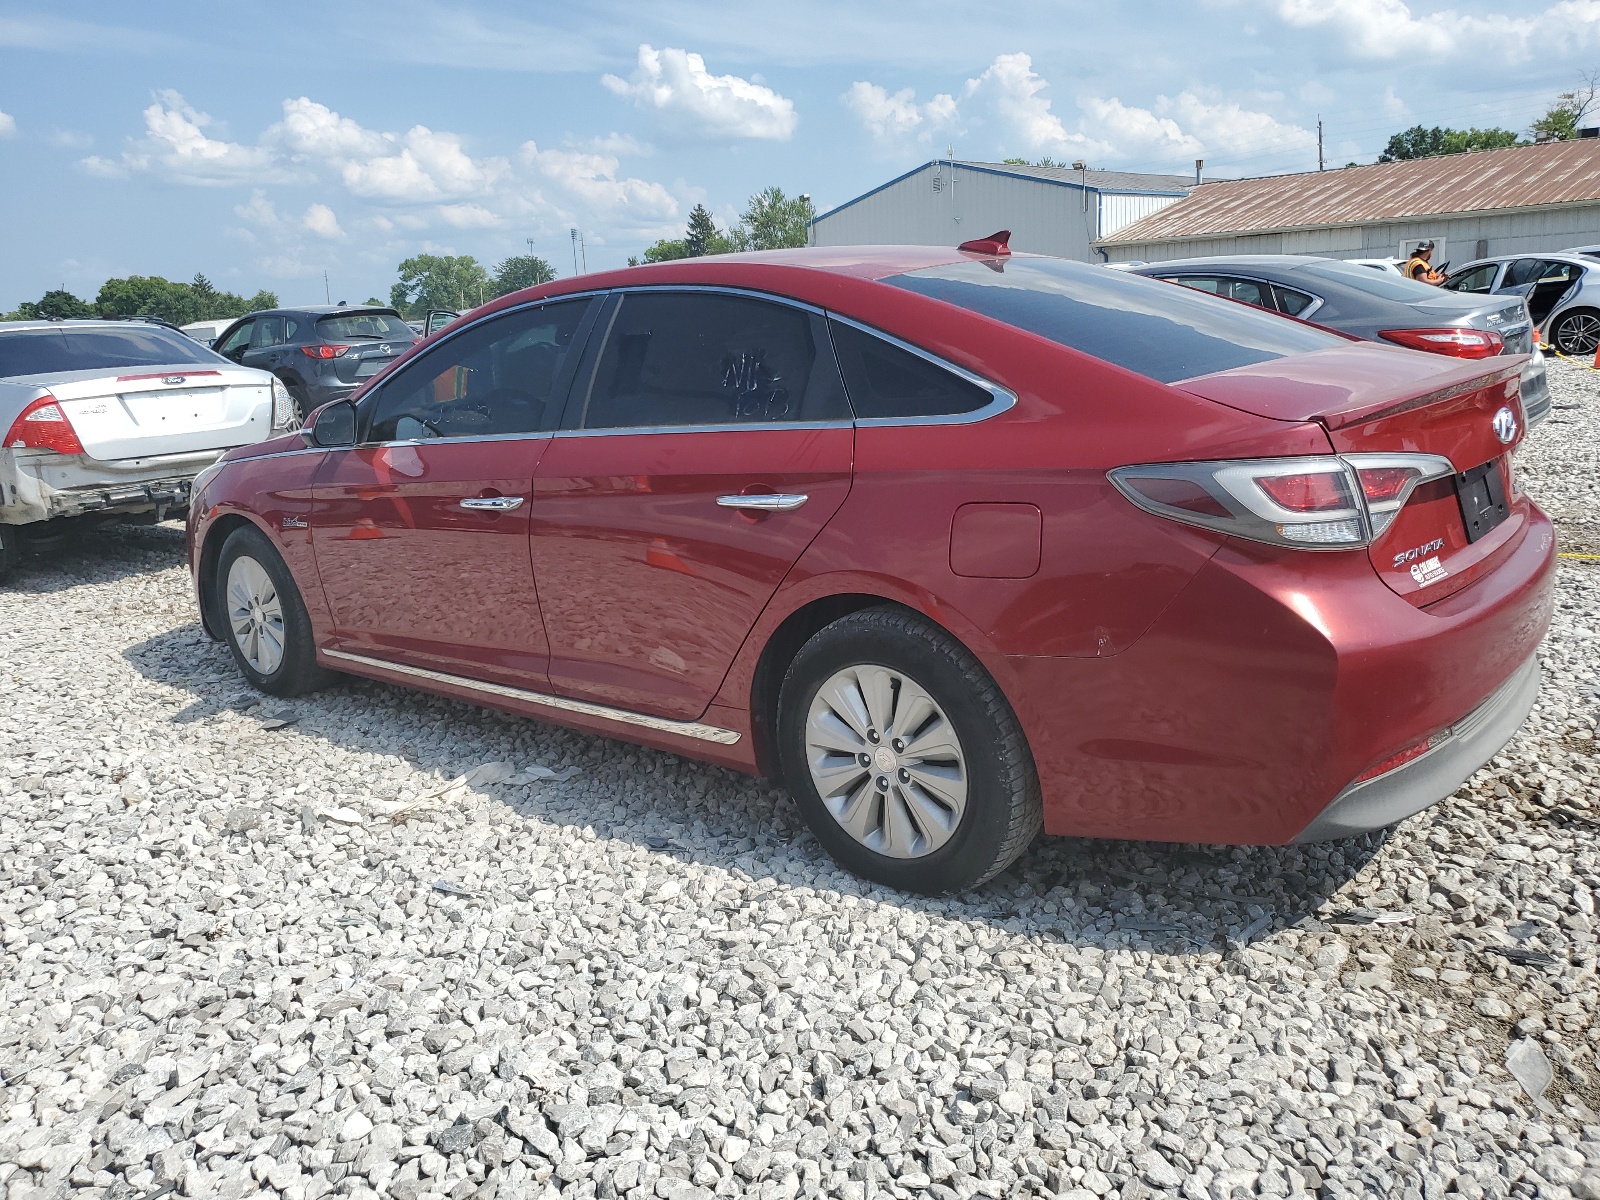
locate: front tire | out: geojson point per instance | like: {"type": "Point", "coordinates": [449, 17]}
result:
{"type": "Point", "coordinates": [264, 619]}
{"type": "Point", "coordinates": [903, 755]}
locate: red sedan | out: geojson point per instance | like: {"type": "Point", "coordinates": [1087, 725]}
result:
{"type": "Point", "coordinates": [958, 544]}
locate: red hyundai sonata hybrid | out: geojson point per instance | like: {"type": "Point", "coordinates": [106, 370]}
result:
{"type": "Point", "coordinates": [958, 544]}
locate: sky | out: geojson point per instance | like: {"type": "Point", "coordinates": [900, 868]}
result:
{"type": "Point", "coordinates": [309, 148]}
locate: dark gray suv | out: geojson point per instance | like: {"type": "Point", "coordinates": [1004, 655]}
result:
{"type": "Point", "coordinates": [321, 352]}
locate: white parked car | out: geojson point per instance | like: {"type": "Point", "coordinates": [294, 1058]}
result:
{"type": "Point", "coordinates": [1389, 266]}
{"type": "Point", "coordinates": [115, 419]}
{"type": "Point", "coordinates": [207, 332]}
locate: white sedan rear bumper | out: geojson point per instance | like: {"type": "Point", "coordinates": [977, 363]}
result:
{"type": "Point", "coordinates": [41, 486]}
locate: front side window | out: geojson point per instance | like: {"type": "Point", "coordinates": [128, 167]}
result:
{"type": "Point", "coordinates": [1479, 279]}
{"type": "Point", "coordinates": [237, 340]}
{"type": "Point", "coordinates": [505, 375]}
{"type": "Point", "coordinates": [707, 358]}
{"type": "Point", "coordinates": [1143, 325]}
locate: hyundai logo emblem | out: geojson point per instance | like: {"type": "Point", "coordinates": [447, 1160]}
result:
{"type": "Point", "coordinates": [1505, 425]}
{"type": "Point", "coordinates": [172, 378]}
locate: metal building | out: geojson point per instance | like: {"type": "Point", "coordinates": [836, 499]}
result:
{"type": "Point", "coordinates": [1049, 210]}
{"type": "Point", "coordinates": [1520, 199]}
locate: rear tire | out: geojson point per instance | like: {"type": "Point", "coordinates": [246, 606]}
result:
{"type": "Point", "coordinates": [960, 799]}
{"type": "Point", "coordinates": [302, 403]}
{"type": "Point", "coordinates": [264, 619]}
{"type": "Point", "coordinates": [1577, 334]}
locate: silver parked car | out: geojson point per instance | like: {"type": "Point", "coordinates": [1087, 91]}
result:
{"type": "Point", "coordinates": [1562, 292]}
{"type": "Point", "coordinates": [1375, 305]}
{"type": "Point", "coordinates": [115, 419]}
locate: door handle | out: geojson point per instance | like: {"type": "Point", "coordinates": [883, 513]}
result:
{"type": "Point", "coordinates": [493, 503]}
{"type": "Point", "coordinates": [763, 503]}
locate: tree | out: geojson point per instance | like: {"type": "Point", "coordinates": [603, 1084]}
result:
{"type": "Point", "coordinates": [1563, 119]}
{"type": "Point", "coordinates": [1038, 162]}
{"type": "Point", "coordinates": [58, 303]}
{"type": "Point", "coordinates": [1422, 142]}
{"type": "Point", "coordinates": [773, 221]}
{"type": "Point", "coordinates": [701, 233]}
{"type": "Point", "coordinates": [521, 271]}
{"type": "Point", "coordinates": [148, 296]}
{"type": "Point", "coordinates": [429, 281]}
{"type": "Point", "coordinates": [666, 250]}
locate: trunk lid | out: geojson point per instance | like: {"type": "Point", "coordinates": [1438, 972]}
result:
{"type": "Point", "coordinates": [143, 412]}
{"type": "Point", "coordinates": [1373, 399]}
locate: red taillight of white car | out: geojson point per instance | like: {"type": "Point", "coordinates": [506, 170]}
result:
{"type": "Point", "coordinates": [43, 426]}
{"type": "Point", "coordinates": [1336, 502]}
{"type": "Point", "coordinates": [1456, 342]}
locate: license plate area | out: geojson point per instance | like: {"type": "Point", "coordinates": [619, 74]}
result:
{"type": "Point", "coordinates": [1481, 492]}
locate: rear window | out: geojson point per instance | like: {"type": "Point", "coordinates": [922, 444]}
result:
{"type": "Point", "coordinates": [381, 325]}
{"type": "Point", "coordinates": [1374, 283]}
{"type": "Point", "coordinates": [77, 348]}
{"type": "Point", "coordinates": [1157, 329]}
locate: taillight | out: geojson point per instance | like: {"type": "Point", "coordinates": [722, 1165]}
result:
{"type": "Point", "coordinates": [43, 425]}
{"type": "Point", "coordinates": [1322, 503]}
{"type": "Point", "coordinates": [283, 407]}
{"type": "Point", "coordinates": [324, 351]}
{"type": "Point", "coordinates": [1457, 342]}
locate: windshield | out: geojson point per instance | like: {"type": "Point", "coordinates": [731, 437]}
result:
{"type": "Point", "coordinates": [78, 348]}
{"type": "Point", "coordinates": [1374, 283]}
{"type": "Point", "coordinates": [382, 325]}
{"type": "Point", "coordinates": [1157, 329]}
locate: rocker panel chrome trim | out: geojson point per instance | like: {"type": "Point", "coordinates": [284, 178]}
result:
{"type": "Point", "coordinates": [689, 729]}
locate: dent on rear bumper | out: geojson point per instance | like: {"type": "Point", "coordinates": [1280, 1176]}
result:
{"type": "Point", "coordinates": [1407, 790]}
{"type": "Point", "coordinates": [37, 488]}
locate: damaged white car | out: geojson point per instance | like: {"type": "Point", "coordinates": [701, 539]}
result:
{"type": "Point", "coordinates": [114, 420]}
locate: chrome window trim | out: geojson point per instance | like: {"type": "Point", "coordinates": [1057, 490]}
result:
{"type": "Point", "coordinates": [735, 427]}
{"type": "Point", "coordinates": [587, 294]}
{"type": "Point", "coordinates": [690, 729]}
{"type": "Point", "coordinates": [1004, 398]}
{"type": "Point", "coordinates": [721, 289]}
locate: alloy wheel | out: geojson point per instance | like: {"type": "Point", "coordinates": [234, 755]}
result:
{"type": "Point", "coordinates": [1578, 335]}
{"type": "Point", "coordinates": [255, 614]}
{"type": "Point", "coordinates": [886, 761]}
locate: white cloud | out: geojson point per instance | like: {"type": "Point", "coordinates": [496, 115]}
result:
{"type": "Point", "coordinates": [468, 216]}
{"type": "Point", "coordinates": [677, 85]}
{"type": "Point", "coordinates": [70, 139]}
{"type": "Point", "coordinates": [1016, 93]}
{"type": "Point", "coordinates": [592, 180]}
{"type": "Point", "coordinates": [1138, 130]}
{"type": "Point", "coordinates": [8, 125]}
{"type": "Point", "coordinates": [1395, 108]}
{"type": "Point", "coordinates": [176, 147]}
{"type": "Point", "coordinates": [314, 130]}
{"type": "Point", "coordinates": [1389, 30]}
{"type": "Point", "coordinates": [320, 220]}
{"type": "Point", "coordinates": [892, 117]}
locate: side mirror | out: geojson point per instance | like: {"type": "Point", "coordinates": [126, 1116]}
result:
{"type": "Point", "coordinates": [437, 320]}
{"type": "Point", "coordinates": [333, 425]}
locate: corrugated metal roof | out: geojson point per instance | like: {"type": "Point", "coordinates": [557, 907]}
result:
{"type": "Point", "coordinates": [1514, 177]}
{"type": "Point", "coordinates": [1104, 181]}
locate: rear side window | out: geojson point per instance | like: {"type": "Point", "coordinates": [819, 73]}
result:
{"type": "Point", "coordinates": [703, 358]}
{"type": "Point", "coordinates": [885, 381]}
{"type": "Point", "coordinates": [1290, 301]}
{"type": "Point", "coordinates": [383, 326]}
{"type": "Point", "coordinates": [77, 348]}
{"type": "Point", "coordinates": [1144, 325]}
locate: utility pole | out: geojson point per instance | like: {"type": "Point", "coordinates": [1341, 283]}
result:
{"type": "Point", "coordinates": [574, 232]}
{"type": "Point", "coordinates": [1320, 164]}
{"type": "Point", "coordinates": [326, 291]}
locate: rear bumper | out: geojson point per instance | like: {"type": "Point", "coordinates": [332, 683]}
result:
{"type": "Point", "coordinates": [43, 487]}
{"type": "Point", "coordinates": [1274, 680]}
{"type": "Point", "coordinates": [1461, 750]}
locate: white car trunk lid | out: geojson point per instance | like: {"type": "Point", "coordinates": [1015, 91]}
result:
{"type": "Point", "coordinates": [148, 412]}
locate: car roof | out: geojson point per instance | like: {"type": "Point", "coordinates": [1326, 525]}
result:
{"type": "Point", "coordinates": [86, 323]}
{"type": "Point", "coordinates": [1281, 262]}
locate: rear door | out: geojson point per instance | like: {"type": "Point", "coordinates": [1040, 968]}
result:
{"type": "Point", "coordinates": [421, 531]}
{"type": "Point", "coordinates": [707, 446]}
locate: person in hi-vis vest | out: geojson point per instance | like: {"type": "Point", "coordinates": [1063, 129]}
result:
{"type": "Point", "coordinates": [1420, 266]}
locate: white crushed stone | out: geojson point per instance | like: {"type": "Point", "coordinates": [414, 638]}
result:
{"type": "Point", "coordinates": [254, 947]}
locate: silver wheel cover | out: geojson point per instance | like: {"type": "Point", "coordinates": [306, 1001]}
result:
{"type": "Point", "coordinates": [1579, 334]}
{"type": "Point", "coordinates": [255, 614]}
{"type": "Point", "coordinates": [886, 761]}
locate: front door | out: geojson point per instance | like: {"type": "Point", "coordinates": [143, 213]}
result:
{"type": "Point", "coordinates": [421, 531]}
{"type": "Point", "coordinates": [699, 458]}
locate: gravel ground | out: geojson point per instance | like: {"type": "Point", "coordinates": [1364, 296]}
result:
{"type": "Point", "coordinates": [375, 943]}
